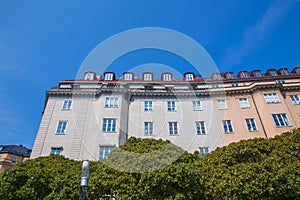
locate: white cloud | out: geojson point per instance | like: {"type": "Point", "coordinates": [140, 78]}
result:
{"type": "Point", "coordinates": [254, 35]}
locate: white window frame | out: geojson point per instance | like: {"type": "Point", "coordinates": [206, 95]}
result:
{"type": "Point", "coordinates": [104, 151]}
{"type": "Point", "coordinates": [222, 104]}
{"type": "Point", "coordinates": [171, 105]}
{"type": "Point", "coordinates": [271, 98]}
{"type": "Point", "coordinates": [244, 103]}
{"type": "Point", "coordinates": [251, 124]}
{"type": "Point", "coordinates": [148, 105]}
{"type": "Point", "coordinates": [295, 99]}
{"type": "Point", "coordinates": [13, 159]}
{"type": "Point", "coordinates": [89, 76]}
{"type": "Point", "coordinates": [167, 77]}
{"type": "Point", "coordinates": [56, 150]}
{"type": "Point", "coordinates": [147, 77]}
{"type": "Point", "coordinates": [200, 127]}
{"type": "Point", "coordinates": [67, 105]}
{"type": "Point", "coordinates": [128, 77]}
{"type": "Point", "coordinates": [189, 77]}
{"type": "Point", "coordinates": [273, 73]}
{"type": "Point", "coordinates": [281, 120]}
{"type": "Point", "coordinates": [197, 105]}
{"type": "Point", "coordinates": [109, 125]}
{"type": "Point", "coordinates": [204, 150]}
{"type": "Point", "coordinates": [257, 74]}
{"type": "Point", "coordinates": [61, 127]}
{"type": "Point", "coordinates": [111, 102]}
{"type": "Point", "coordinates": [227, 126]}
{"type": "Point", "coordinates": [108, 76]}
{"type": "Point", "coordinates": [148, 128]}
{"type": "Point", "coordinates": [173, 128]}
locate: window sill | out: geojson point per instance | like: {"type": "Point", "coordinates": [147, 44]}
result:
{"type": "Point", "coordinates": [66, 109]}
{"type": "Point", "coordinates": [200, 134]}
{"type": "Point", "coordinates": [108, 131]}
{"type": "Point", "coordinates": [60, 133]}
{"type": "Point", "coordinates": [229, 132]}
{"type": "Point", "coordinates": [284, 126]}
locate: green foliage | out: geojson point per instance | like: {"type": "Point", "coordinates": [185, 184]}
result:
{"type": "Point", "coordinates": [52, 177]}
{"type": "Point", "coordinates": [254, 169]}
{"type": "Point", "coordinates": [156, 169]}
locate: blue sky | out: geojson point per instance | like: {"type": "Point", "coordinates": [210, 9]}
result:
{"type": "Point", "coordinates": [43, 42]}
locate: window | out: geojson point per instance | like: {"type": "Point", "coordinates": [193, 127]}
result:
{"type": "Point", "coordinates": [104, 151]}
{"type": "Point", "coordinates": [89, 76]}
{"type": "Point", "coordinates": [230, 76]}
{"type": "Point", "coordinates": [281, 120]}
{"type": "Point", "coordinates": [227, 125]}
{"type": "Point", "coordinates": [148, 128]}
{"type": "Point", "coordinates": [217, 76]}
{"type": "Point", "coordinates": [67, 105]}
{"type": "Point", "coordinates": [171, 105]}
{"type": "Point", "coordinates": [244, 75]}
{"type": "Point", "coordinates": [257, 74]}
{"type": "Point", "coordinates": [108, 76]}
{"type": "Point", "coordinates": [203, 150]}
{"type": "Point", "coordinates": [189, 77]}
{"type": "Point", "coordinates": [128, 77]}
{"type": "Point", "coordinates": [197, 105]}
{"type": "Point", "coordinates": [173, 128]}
{"type": "Point", "coordinates": [111, 102]}
{"type": "Point", "coordinates": [61, 127]}
{"type": "Point", "coordinates": [167, 77]}
{"type": "Point", "coordinates": [271, 98]}
{"type": "Point", "coordinates": [234, 84]}
{"type": "Point", "coordinates": [222, 104]}
{"type": "Point", "coordinates": [56, 150]}
{"type": "Point", "coordinates": [273, 73]}
{"type": "Point", "coordinates": [215, 86]}
{"type": "Point", "coordinates": [280, 81]}
{"type": "Point", "coordinates": [147, 105]}
{"type": "Point", "coordinates": [295, 99]}
{"type": "Point", "coordinates": [13, 159]}
{"type": "Point", "coordinates": [147, 77]}
{"type": "Point", "coordinates": [244, 103]}
{"type": "Point", "coordinates": [251, 125]}
{"type": "Point", "coordinates": [284, 72]}
{"type": "Point", "coordinates": [200, 126]}
{"type": "Point", "coordinates": [109, 125]}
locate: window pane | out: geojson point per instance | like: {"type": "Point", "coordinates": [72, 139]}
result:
{"type": "Point", "coordinates": [104, 151]}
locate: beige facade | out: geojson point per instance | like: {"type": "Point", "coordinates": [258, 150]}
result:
{"type": "Point", "coordinates": [87, 118]}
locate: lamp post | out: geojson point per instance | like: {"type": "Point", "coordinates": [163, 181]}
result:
{"type": "Point", "coordinates": [84, 177]}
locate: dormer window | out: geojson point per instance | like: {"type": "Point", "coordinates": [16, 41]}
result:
{"type": "Point", "coordinates": [128, 76]}
{"type": "Point", "coordinates": [189, 77]}
{"type": "Point", "coordinates": [217, 76]}
{"type": "Point", "coordinates": [108, 76]}
{"type": "Point", "coordinates": [257, 74]}
{"type": "Point", "coordinates": [167, 77]}
{"type": "Point", "coordinates": [244, 75]}
{"type": "Point", "coordinates": [89, 76]}
{"type": "Point", "coordinates": [297, 70]}
{"type": "Point", "coordinates": [229, 76]}
{"type": "Point", "coordinates": [284, 72]}
{"type": "Point", "coordinates": [147, 76]}
{"type": "Point", "coordinates": [273, 73]}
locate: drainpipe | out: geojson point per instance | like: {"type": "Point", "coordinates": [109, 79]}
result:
{"type": "Point", "coordinates": [261, 122]}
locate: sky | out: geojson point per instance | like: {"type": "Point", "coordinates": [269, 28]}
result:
{"type": "Point", "coordinates": [44, 42]}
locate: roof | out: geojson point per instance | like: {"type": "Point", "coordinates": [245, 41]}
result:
{"type": "Point", "coordinates": [16, 150]}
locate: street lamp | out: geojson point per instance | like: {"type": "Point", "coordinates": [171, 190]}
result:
{"type": "Point", "coordinates": [84, 177]}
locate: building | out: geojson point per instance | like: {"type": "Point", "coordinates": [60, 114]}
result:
{"type": "Point", "coordinates": [12, 154]}
{"type": "Point", "coordinates": [86, 118]}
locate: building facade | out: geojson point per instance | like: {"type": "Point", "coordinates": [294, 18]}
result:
{"type": "Point", "coordinates": [12, 154]}
{"type": "Point", "coordinates": [87, 118]}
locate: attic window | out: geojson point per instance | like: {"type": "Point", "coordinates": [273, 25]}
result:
{"type": "Point", "coordinates": [167, 77]}
{"type": "Point", "coordinates": [128, 77]}
{"type": "Point", "coordinates": [244, 75]}
{"type": "Point", "coordinates": [230, 76]}
{"type": "Point", "coordinates": [89, 76]}
{"type": "Point", "coordinates": [273, 73]}
{"type": "Point", "coordinates": [284, 72]}
{"type": "Point", "coordinates": [147, 77]}
{"type": "Point", "coordinates": [108, 77]}
{"type": "Point", "coordinates": [217, 76]}
{"type": "Point", "coordinates": [257, 74]}
{"type": "Point", "coordinates": [189, 77]}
